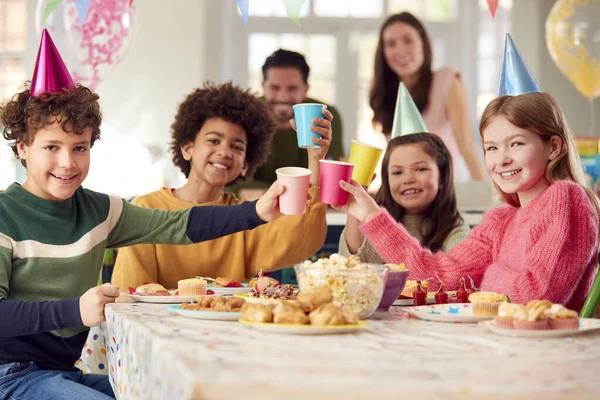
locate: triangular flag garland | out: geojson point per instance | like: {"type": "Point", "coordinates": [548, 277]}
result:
{"type": "Point", "coordinates": [50, 6]}
{"type": "Point", "coordinates": [130, 1]}
{"type": "Point", "coordinates": [293, 7]}
{"type": "Point", "coordinates": [243, 5]}
{"type": "Point", "coordinates": [493, 6]}
{"type": "Point", "coordinates": [82, 7]}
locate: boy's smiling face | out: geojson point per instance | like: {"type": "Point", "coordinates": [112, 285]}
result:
{"type": "Point", "coordinates": [57, 162]}
{"type": "Point", "coordinates": [218, 154]}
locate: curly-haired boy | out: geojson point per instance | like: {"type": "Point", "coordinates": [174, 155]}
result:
{"type": "Point", "coordinates": [53, 234]}
{"type": "Point", "coordinates": [221, 135]}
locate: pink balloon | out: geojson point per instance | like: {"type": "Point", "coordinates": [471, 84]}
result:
{"type": "Point", "coordinates": [95, 48]}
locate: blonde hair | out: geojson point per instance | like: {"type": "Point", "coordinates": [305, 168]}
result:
{"type": "Point", "coordinates": [541, 114]}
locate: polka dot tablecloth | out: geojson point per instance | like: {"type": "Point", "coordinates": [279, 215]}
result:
{"type": "Point", "coordinates": [152, 354]}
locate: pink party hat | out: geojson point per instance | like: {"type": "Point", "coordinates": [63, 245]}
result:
{"type": "Point", "coordinates": [50, 74]}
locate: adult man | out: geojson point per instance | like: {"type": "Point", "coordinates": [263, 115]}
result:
{"type": "Point", "coordinates": [285, 83]}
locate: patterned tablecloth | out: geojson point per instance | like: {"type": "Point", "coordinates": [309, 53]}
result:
{"type": "Point", "coordinates": [153, 354]}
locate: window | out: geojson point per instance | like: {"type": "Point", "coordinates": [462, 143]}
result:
{"type": "Point", "coordinates": [13, 38]}
{"type": "Point", "coordinates": [339, 38]}
{"type": "Point", "coordinates": [490, 50]}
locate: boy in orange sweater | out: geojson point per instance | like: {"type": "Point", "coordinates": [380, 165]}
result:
{"type": "Point", "coordinates": [221, 135]}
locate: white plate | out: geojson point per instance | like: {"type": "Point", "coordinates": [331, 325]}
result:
{"type": "Point", "coordinates": [228, 291]}
{"type": "Point", "coordinates": [165, 299]}
{"type": "Point", "coordinates": [212, 315]}
{"type": "Point", "coordinates": [259, 300]}
{"type": "Point", "coordinates": [411, 302]}
{"type": "Point", "coordinates": [296, 329]}
{"type": "Point", "coordinates": [585, 325]}
{"type": "Point", "coordinates": [453, 312]}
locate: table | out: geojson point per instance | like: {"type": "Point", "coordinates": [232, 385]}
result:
{"type": "Point", "coordinates": [153, 354]}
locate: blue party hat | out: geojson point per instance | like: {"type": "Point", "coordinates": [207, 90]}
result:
{"type": "Point", "coordinates": [407, 118]}
{"type": "Point", "coordinates": [515, 77]}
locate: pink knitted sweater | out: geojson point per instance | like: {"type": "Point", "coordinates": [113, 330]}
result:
{"type": "Point", "coordinates": [545, 250]}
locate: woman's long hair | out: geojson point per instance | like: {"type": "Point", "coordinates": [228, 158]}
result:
{"type": "Point", "coordinates": [541, 114]}
{"type": "Point", "coordinates": [384, 88]}
{"type": "Point", "coordinates": [441, 216]}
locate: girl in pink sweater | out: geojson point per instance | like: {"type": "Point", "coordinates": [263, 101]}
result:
{"type": "Point", "coordinates": [543, 244]}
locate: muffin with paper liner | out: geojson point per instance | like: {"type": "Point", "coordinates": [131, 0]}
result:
{"type": "Point", "coordinates": [486, 303]}
{"type": "Point", "coordinates": [192, 287]}
{"type": "Point", "coordinates": [506, 314]}
{"type": "Point", "coordinates": [560, 317]}
{"type": "Point", "coordinates": [533, 317]}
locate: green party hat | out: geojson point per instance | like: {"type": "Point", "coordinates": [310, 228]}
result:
{"type": "Point", "coordinates": [407, 118]}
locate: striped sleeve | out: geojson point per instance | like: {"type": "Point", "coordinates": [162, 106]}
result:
{"type": "Point", "coordinates": [131, 225]}
{"type": "Point", "coordinates": [20, 318]}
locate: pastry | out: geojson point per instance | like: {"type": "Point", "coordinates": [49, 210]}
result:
{"type": "Point", "coordinates": [192, 286]}
{"type": "Point", "coordinates": [326, 314]}
{"type": "Point", "coordinates": [560, 317]}
{"type": "Point", "coordinates": [257, 313]}
{"type": "Point", "coordinates": [486, 303]}
{"type": "Point", "coordinates": [312, 298]}
{"type": "Point", "coordinates": [153, 289]}
{"type": "Point", "coordinates": [226, 282]}
{"type": "Point", "coordinates": [506, 315]}
{"type": "Point", "coordinates": [533, 317]}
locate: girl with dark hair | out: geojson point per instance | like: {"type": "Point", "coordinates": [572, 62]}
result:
{"type": "Point", "coordinates": [404, 54]}
{"type": "Point", "coordinates": [417, 190]}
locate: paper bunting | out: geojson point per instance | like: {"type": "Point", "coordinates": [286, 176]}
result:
{"type": "Point", "coordinates": [293, 8]}
{"type": "Point", "coordinates": [82, 7]}
{"type": "Point", "coordinates": [243, 6]}
{"type": "Point", "coordinates": [493, 6]}
{"type": "Point", "coordinates": [50, 6]}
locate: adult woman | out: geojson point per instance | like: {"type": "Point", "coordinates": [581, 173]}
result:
{"type": "Point", "coordinates": [404, 54]}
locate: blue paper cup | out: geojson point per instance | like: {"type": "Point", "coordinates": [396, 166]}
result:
{"type": "Point", "coordinates": [304, 114]}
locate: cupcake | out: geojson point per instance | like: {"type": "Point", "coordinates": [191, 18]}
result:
{"type": "Point", "coordinates": [532, 317]}
{"type": "Point", "coordinates": [411, 287]}
{"type": "Point", "coordinates": [506, 315]}
{"type": "Point", "coordinates": [560, 317]}
{"type": "Point", "coordinates": [486, 304]}
{"type": "Point", "coordinates": [191, 287]}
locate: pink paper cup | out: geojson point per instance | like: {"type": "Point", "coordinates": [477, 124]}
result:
{"type": "Point", "coordinates": [332, 172]}
{"type": "Point", "coordinates": [296, 181]}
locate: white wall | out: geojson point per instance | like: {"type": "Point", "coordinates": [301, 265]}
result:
{"type": "Point", "coordinates": [167, 60]}
{"type": "Point", "coordinates": [529, 34]}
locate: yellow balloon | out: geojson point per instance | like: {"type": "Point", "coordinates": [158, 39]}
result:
{"type": "Point", "coordinates": [573, 40]}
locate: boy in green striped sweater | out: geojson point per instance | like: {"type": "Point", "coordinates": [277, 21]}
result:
{"type": "Point", "coordinates": [53, 234]}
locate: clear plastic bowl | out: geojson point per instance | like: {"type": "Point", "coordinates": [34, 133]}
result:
{"type": "Point", "coordinates": [358, 289]}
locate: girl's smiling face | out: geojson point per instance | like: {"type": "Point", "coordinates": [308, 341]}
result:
{"type": "Point", "coordinates": [414, 178]}
{"type": "Point", "coordinates": [517, 158]}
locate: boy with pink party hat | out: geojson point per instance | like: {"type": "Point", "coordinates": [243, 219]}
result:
{"type": "Point", "coordinates": [53, 234]}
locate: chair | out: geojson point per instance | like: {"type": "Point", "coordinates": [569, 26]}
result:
{"type": "Point", "coordinates": [591, 303]}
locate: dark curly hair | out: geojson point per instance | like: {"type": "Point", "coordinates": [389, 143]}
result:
{"type": "Point", "coordinates": [441, 216]}
{"type": "Point", "coordinates": [230, 103]}
{"type": "Point", "coordinates": [24, 115]}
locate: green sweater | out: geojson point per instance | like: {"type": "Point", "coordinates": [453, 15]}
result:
{"type": "Point", "coordinates": [51, 253]}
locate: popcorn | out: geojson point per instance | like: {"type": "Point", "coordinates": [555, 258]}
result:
{"type": "Point", "coordinates": [356, 287]}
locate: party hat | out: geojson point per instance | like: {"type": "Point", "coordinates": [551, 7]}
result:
{"type": "Point", "coordinates": [50, 74]}
{"type": "Point", "coordinates": [515, 77]}
{"type": "Point", "coordinates": [407, 118]}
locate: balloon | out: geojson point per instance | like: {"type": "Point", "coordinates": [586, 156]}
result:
{"type": "Point", "coordinates": [573, 40]}
{"type": "Point", "coordinates": [95, 48]}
